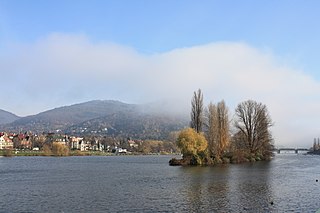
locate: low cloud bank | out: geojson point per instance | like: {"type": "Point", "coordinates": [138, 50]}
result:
{"type": "Point", "coordinates": [64, 69]}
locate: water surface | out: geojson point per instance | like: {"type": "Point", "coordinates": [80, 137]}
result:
{"type": "Point", "coordinates": [149, 184]}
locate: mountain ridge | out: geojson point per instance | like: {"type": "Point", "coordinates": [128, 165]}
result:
{"type": "Point", "coordinates": [103, 117]}
{"type": "Point", "coordinates": [7, 117]}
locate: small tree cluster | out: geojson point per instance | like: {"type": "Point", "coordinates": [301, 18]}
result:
{"type": "Point", "coordinates": [213, 143]}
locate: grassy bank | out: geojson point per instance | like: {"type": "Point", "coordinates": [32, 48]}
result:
{"type": "Point", "coordinates": [13, 153]}
{"type": "Point", "coordinates": [20, 153]}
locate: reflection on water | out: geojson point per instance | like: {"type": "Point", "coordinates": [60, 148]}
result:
{"type": "Point", "coordinates": [285, 184]}
{"type": "Point", "coordinates": [253, 187]}
{"type": "Point", "coordinates": [207, 188]}
{"type": "Point", "coordinates": [231, 188]}
{"type": "Point", "coordinates": [149, 184]}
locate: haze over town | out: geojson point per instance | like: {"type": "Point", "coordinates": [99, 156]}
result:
{"type": "Point", "coordinates": [60, 53]}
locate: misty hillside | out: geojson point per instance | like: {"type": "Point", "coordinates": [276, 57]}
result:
{"type": "Point", "coordinates": [111, 118]}
{"type": "Point", "coordinates": [60, 118]}
{"type": "Point", "coordinates": [131, 124]}
{"type": "Point", "coordinates": [7, 117]}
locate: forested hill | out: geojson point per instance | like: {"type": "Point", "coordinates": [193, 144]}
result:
{"type": "Point", "coordinates": [7, 117]}
{"type": "Point", "coordinates": [112, 118]}
{"type": "Point", "coordinates": [137, 125]}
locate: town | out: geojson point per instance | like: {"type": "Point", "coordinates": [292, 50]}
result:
{"type": "Point", "coordinates": [56, 144]}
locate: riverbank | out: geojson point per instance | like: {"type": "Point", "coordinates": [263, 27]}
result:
{"type": "Point", "coordinates": [316, 152]}
{"type": "Point", "coordinates": [26, 153]}
{"type": "Point", "coordinates": [229, 158]}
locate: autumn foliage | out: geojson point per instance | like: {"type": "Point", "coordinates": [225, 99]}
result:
{"type": "Point", "coordinates": [192, 145]}
{"type": "Point", "coordinates": [210, 141]}
{"type": "Point", "coordinates": [59, 149]}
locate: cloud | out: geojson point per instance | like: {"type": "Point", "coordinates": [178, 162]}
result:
{"type": "Point", "coordinates": [64, 69]}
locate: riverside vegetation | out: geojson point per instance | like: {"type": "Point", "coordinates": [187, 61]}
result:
{"type": "Point", "coordinates": [52, 144]}
{"type": "Point", "coordinates": [210, 141]}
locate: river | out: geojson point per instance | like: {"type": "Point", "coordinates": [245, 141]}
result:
{"type": "Point", "coordinates": [288, 183]}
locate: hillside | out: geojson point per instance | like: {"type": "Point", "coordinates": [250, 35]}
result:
{"type": "Point", "coordinates": [135, 125]}
{"type": "Point", "coordinates": [7, 117]}
{"type": "Point", "coordinates": [60, 118]}
{"type": "Point", "coordinates": [112, 118]}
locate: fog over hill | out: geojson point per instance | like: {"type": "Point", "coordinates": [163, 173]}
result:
{"type": "Point", "coordinates": [112, 118]}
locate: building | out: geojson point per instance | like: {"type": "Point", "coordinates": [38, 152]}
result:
{"type": "Point", "coordinates": [75, 143]}
{"type": "Point", "coordinates": [5, 142]}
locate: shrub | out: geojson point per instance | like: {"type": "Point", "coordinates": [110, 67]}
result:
{"type": "Point", "coordinates": [239, 156]}
{"type": "Point", "coordinates": [59, 149]}
{"type": "Point", "coordinates": [46, 150]}
{"type": "Point", "coordinates": [226, 160]}
{"type": "Point", "coordinates": [7, 153]}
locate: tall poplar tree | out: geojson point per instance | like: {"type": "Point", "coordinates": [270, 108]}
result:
{"type": "Point", "coordinates": [197, 111]}
{"type": "Point", "coordinates": [217, 131]}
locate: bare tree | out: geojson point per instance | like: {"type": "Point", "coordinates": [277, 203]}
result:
{"type": "Point", "coordinates": [253, 122]}
{"type": "Point", "coordinates": [197, 111]}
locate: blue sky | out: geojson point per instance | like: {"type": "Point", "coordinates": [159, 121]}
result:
{"type": "Point", "coordinates": [56, 53]}
{"type": "Point", "coordinates": [288, 28]}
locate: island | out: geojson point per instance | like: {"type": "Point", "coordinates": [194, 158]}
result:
{"type": "Point", "coordinates": [209, 141]}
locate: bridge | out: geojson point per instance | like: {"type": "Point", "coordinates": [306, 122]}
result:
{"type": "Point", "coordinates": [291, 150]}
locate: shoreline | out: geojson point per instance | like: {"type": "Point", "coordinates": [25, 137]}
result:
{"type": "Point", "coordinates": [77, 153]}
{"type": "Point", "coordinates": [317, 152]}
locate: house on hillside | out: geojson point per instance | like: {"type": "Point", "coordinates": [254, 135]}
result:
{"type": "Point", "coordinates": [85, 145]}
{"type": "Point", "coordinates": [96, 145]}
{"type": "Point", "coordinates": [75, 143]}
{"type": "Point", "coordinates": [5, 142]}
{"type": "Point", "coordinates": [133, 144]}
{"type": "Point", "coordinates": [61, 139]}
{"type": "Point", "coordinates": [21, 141]}
{"type": "Point", "coordinates": [119, 150]}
